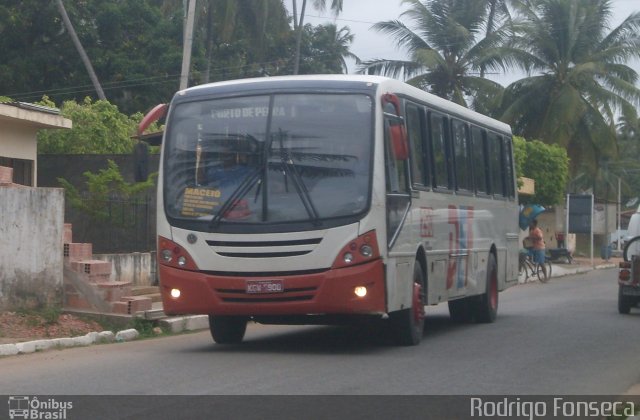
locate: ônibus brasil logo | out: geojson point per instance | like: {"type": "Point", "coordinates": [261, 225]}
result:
{"type": "Point", "coordinates": [32, 408]}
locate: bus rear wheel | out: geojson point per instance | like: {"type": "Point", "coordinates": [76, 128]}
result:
{"type": "Point", "coordinates": [486, 308]}
{"type": "Point", "coordinates": [227, 329]}
{"type": "Point", "coordinates": [408, 324]}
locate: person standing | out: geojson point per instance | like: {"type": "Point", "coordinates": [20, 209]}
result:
{"type": "Point", "coordinates": [538, 246]}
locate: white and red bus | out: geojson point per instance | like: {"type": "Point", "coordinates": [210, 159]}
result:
{"type": "Point", "coordinates": [323, 199]}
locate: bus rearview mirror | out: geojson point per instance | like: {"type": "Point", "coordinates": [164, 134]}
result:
{"type": "Point", "coordinates": [399, 142]}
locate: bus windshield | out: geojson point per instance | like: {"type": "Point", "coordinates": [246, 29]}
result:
{"type": "Point", "coordinates": [269, 159]}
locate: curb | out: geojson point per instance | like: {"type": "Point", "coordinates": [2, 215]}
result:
{"type": "Point", "coordinates": [173, 325]}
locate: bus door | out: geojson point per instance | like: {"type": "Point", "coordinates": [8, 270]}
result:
{"type": "Point", "coordinates": [398, 196]}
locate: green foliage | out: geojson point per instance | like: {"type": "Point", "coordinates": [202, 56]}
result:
{"type": "Point", "coordinates": [98, 128]}
{"type": "Point", "coordinates": [548, 166]}
{"type": "Point", "coordinates": [5, 99]}
{"type": "Point", "coordinates": [578, 77]}
{"type": "Point", "coordinates": [449, 50]}
{"type": "Point", "coordinates": [135, 47]}
{"type": "Point", "coordinates": [324, 49]}
{"type": "Point", "coordinates": [519, 156]}
{"type": "Point", "coordinates": [101, 187]}
{"type": "Point", "coordinates": [144, 326]}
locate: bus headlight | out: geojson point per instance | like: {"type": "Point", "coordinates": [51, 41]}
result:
{"type": "Point", "coordinates": [166, 255]}
{"type": "Point", "coordinates": [175, 293]}
{"type": "Point", "coordinates": [360, 250]}
{"type": "Point", "coordinates": [173, 255]}
{"type": "Point", "coordinates": [360, 291]}
{"type": "Point", "coordinates": [366, 251]}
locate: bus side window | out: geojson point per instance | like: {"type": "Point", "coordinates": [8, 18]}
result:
{"type": "Point", "coordinates": [508, 165]}
{"type": "Point", "coordinates": [497, 164]}
{"type": "Point", "coordinates": [461, 154]}
{"type": "Point", "coordinates": [438, 142]}
{"type": "Point", "coordinates": [397, 182]}
{"type": "Point", "coordinates": [478, 144]}
{"type": "Point", "coordinates": [419, 157]}
{"type": "Point", "coordinates": [396, 170]}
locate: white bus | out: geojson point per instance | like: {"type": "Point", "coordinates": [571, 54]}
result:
{"type": "Point", "coordinates": [323, 199]}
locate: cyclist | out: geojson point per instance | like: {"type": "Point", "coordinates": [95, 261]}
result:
{"type": "Point", "coordinates": [537, 245]}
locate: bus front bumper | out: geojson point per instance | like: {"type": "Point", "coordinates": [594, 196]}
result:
{"type": "Point", "coordinates": [328, 292]}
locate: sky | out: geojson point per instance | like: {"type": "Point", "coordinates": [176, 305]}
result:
{"type": "Point", "coordinates": [360, 15]}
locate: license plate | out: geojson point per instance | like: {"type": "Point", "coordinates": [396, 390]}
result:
{"type": "Point", "coordinates": [264, 286]}
{"type": "Point", "coordinates": [631, 291]}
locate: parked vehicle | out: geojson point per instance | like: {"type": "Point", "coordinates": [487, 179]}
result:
{"type": "Point", "coordinates": [629, 276]}
{"type": "Point", "coordinates": [633, 229]}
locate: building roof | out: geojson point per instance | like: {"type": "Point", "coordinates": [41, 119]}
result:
{"type": "Point", "coordinates": [33, 115]}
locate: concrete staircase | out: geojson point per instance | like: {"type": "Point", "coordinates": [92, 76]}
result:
{"type": "Point", "coordinates": [88, 286]}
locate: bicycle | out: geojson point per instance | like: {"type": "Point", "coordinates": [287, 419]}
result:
{"type": "Point", "coordinates": [530, 269]}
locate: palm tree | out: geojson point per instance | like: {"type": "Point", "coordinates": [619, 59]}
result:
{"type": "Point", "coordinates": [330, 45]}
{"type": "Point", "coordinates": [578, 79]}
{"type": "Point", "coordinates": [298, 22]}
{"type": "Point", "coordinates": [497, 11]}
{"type": "Point", "coordinates": [445, 56]}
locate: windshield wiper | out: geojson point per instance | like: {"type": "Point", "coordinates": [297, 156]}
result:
{"type": "Point", "coordinates": [289, 167]}
{"type": "Point", "coordinates": [233, 200]}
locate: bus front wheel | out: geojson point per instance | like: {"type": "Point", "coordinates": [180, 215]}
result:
{"type": "Point", "coordinates": [227, 329]}
{"type": "Point", "coordinates": [408, 324]}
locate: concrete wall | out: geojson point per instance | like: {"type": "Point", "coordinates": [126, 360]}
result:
{"type": "Point", "coordinates": [138, 267]}
{"type": "Point", "coordinates": [31, 251]}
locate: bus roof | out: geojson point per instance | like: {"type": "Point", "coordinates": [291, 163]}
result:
{"type": "Point", "coordinates": [383, 84]}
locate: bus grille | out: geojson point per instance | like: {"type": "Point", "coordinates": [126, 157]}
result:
{"type": "Point", "coordinates": [264, 249]}
{"type": "Point", "coordinates": [289, 295]}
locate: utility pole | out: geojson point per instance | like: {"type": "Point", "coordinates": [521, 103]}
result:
{"type": "Point", "coordinates": [187, 45]}
{"type": "Point", "coordinates": [83, 54]}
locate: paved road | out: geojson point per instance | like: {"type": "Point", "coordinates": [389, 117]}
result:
{"type": "Point", "coordinates": [564, 337]}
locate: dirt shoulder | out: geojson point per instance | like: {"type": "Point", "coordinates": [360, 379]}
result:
{"type": "Point", "coordinates": [16, 327]}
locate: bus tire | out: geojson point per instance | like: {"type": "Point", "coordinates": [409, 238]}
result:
{"type": "Point", "coordinates": [486, 308]}
{"type": "Point", "coordinates": [624, 302]}
{"type": "Point", "coordinates": [227, 329]}
{"type": "Point", "coordinates": [408, 324]}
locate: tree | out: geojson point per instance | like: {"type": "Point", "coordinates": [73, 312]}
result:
{"type": "Point", "coordinates": [497, 11]}
{"type": "Point", "coordinates": [325, 49]}
{"type": "Point", "coordinates": [579, 77]}
{"type": "Point", "coordinates": [98, 127]}
{"type": "Point", "coordinates": [298, 23]}
{"type": "Point", "coordinates": [252, 35]}
{"type": "Point", "coordinates": [445, 54]}
{"type": "Point", "coordinates": [547, 165]}
{"type": "Point", "coordinates": [134, 49]}
{"type": "Point", "coordinates": [102, 187]}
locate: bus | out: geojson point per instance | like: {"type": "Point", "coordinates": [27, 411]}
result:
{"type": "Point", "coordinates": [332, 198]}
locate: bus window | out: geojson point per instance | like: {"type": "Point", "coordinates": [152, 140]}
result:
{"type": "Point", "coordinates": [508, 167]}
{"type": "Point", "coordinates": [495, 158]}
{"type": "Point", "coordinates": [415, 118]}
{"type": "Point", "coordinates": [439, 150]}
{"type": "Point", "coordinates": [479, 159]}
{"type": "Point", "coordinates": [397, 186]}
{"type": "Point", "coordinates": [462, 157]}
